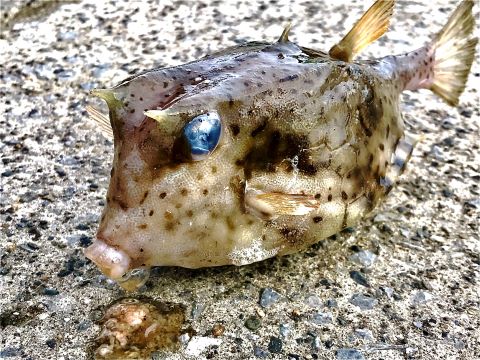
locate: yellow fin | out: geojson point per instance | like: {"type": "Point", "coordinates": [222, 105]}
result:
{"type": "Point", "coordinates": [101, 120]}
{"type": "Point", "coordinates": [268, 205]}
{"type": "Point", "coordinates": [373, 24]}
{"type": "Point", "coordinates": [454, 54]}
{"type": "Point", "coordinates": [284, 37]}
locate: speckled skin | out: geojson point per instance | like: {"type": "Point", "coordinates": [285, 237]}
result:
{"type": "Point", "coordinates": [306, 151]}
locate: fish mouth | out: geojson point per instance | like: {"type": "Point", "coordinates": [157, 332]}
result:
{"type": "Point", "coordinates": [113, 262]}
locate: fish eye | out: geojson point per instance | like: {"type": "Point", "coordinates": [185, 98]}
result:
{"type": "Point", "coordinates": [202, 134]}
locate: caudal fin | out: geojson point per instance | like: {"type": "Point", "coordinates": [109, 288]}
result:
{"type": "Point", "coordinates": [453, 54]}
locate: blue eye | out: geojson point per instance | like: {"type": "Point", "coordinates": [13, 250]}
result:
{"type": "Point", "coordinates": [202, 134]}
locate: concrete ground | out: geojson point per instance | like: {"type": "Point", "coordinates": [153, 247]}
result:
{"type": "Point", "coordinates": [401, 285]}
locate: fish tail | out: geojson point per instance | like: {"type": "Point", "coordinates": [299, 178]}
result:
{"type": "Point", "coordinates": [443, 65]}
{"type": "Point", "coordinates": [453, 54]}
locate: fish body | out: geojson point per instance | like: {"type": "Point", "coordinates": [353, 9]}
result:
{"type": "Point", "coordinates": [262, 149]}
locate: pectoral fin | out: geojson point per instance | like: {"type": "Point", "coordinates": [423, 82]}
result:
{"type": "Point", "coordinates": [373, 24]}
{"type": "Point", "coordinates": [272, 204]}
{"type": "Point", "coordinates": [101, 120]}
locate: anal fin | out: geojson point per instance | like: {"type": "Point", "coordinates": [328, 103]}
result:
{"type": "Point", "coordinates": [373, 24]}
{"type": "Point", "coordinates": [400, 157]}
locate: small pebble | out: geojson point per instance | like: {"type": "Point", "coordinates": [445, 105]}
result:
{"type": "Point", "coordinates": [197, 309]}
{"type": "Point", "coordinates": [259, 352]}
{"type": "Point", "coordinates": [275, 345]}
{"type": "Point", "coordinates": [184, 338]}
{"type": "Point", "coordinates": [420, 297]}
{"type": "Point", "coordinates": [268, 297]}
{"type": "Point", "coordinates": [84, 325]}
{"type": "Point", "coordinates": [252, 323]}
{"type": "Point", "coordinates": [349, 354]}
{"type": "Point", "coordinates": [51, 343]}
{"type": "Point", "coordinates": [313, 301]}
{"type": "Point", "coordinates": [364, 334]}
{"type": "Point", "coordinates": [218, 330]}
{"type": "Point", "coordinates": [359, 278]}
{"type": "Point", "coordinates": [363, 302]}
{"type": "Point", "coordinates": [331, 303]}
{"type": "Point", "coordinates": [388, 291]}
{"type": "Point", "coordinates": [285, 330]}
{"type": "Point", "coordinates": [50, 291]}
{"type": "Point", "coordinates": [364, 257]}
{"type": "Point", "coordinates": [322, 318]}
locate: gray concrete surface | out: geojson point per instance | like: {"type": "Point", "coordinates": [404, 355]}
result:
{"type": "Point", "coordinates": [417, 298]}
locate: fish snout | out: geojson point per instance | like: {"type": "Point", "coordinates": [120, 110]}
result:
{"type": "Point", "coordinates": [112, 261]}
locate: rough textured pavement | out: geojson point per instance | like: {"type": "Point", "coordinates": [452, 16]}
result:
{"type": "Point", "coordinates": [403, 284]}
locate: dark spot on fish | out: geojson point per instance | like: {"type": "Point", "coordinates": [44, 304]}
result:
{"type": "Point", "coordinates": [388, 131]}
{"type": "Point", "coordinates": [199, 177]}
{"type": "Point", "coordinates": [259, 128]}
{"type": "Point", "coordinates": [288, 78]}
{"type": "Point", "coordinates": [141, 249]}
{"type": "Point", "coordinates": [263, 72]}
{"type": "Point", "coordinates": [235, 129]}
{"type": "Point", "coordinates": [184, 192]}
{"type": "Point", "coordinates": [140, 98]}
{"type": "Point", "coordinates": [178, 206]}
{"type": "Point", "coordinates": [145, 194]}
{"type": "Point", "coordinates": [381, 146]}
{"type": "Point", "coordinates": [317, 196]}
{"type": "Point", "coordinates": [132, 111]}
{"type": "Point", "coordinates": [271, 150]}
{"type": "Point", "coordinates": [165, 84]}
{"type": "Point", "coordinates": [317, 219]}
{"type": "Point", "coordinates": [189, 213]}
{"type": "Point", "coordinates": [344, 195]}
{"type": "Point", "coordinates": [205, 191]}
{"type": "Point", "coordinates": [293, 236]}
{"type": "Point", "coordinates": [230, 223]}
{"type": "Point", "coordinates": [214, 169]}
{"type": "Point", "coordinates": [151, 213]}
{"type": "Point", "coordinates": [132, 95]}
{"type": "Point", "coordinates": [169, 226]}
{"type": "Point", "coordinates": [246, 84]}
{"type": "Point", "coordinates": [330, 197]}
{"type": "Point", "coordinates": [281, 56]}
{"type": "Point", "coordinates": [142, 226]}
{"type": "Point", "coordinates": [163, 195]}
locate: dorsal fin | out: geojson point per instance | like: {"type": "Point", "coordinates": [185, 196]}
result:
{"type": "Point", "coordinates": [284, 37]}
{"type": "Point", "coordinates": [373, 24]}
{"type": "Point", "coordinates": [101, 120]}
